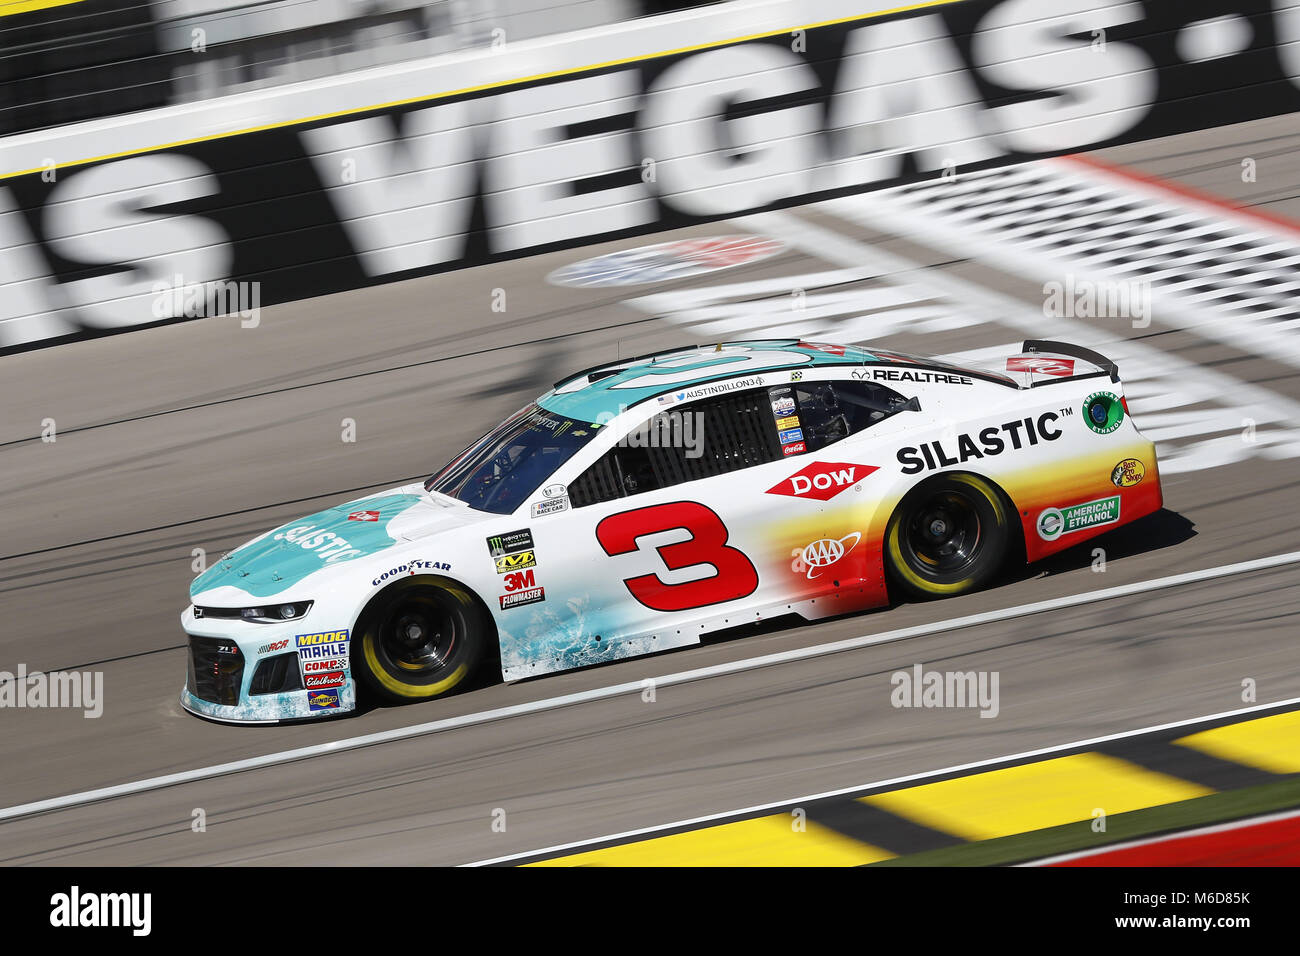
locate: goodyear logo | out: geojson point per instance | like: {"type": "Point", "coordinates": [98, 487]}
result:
{"type": "Point", "coordinates": [516, 562]}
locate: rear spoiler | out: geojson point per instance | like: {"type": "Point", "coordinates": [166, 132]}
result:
{"type": "Point", "coordinates": [1075, 351]}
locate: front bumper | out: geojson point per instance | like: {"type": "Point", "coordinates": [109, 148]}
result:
{"type": "Point", "coordinates": [240, 672]}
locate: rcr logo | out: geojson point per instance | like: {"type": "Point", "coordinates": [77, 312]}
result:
{"type": "Point", "coordinates": [821, 480]}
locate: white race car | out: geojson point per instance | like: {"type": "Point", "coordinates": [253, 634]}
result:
{"type": "Point", "coordinates": [641, 504]}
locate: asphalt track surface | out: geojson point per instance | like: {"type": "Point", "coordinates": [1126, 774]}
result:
{"type": "Point", "coordinates": [203, 434]}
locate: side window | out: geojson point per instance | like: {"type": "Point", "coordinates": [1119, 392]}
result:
{"type": "Point", "coordinates": [700, 440]}
{"type": "Point", "coordinates": [829, 411]}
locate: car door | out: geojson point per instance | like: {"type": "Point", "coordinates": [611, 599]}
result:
{"type": "Point", "coordinates": [837, 429]}
{"type": "Point", "coordinates": [647, 537]}
{"type": "Point", "coordinates": [703, 515]}
{"type": "Point", "coordinates": [735, 508]}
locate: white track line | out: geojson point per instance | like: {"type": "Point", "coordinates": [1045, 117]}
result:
{"type": "Point", "coordinates": [1165, 838]}
{"type": "Point", "coordinates": [895, 781]}
{"type": "Point", "coordinates": [636, 687]}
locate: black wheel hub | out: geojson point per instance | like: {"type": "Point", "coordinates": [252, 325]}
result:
{"type": "Point", "coordinates": [418, 635]}
{"type": "Point", "coordinates": [944, 533]}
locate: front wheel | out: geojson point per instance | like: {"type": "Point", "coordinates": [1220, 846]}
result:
{"type": "Point", "coordinates": [419, 641]}
{"type": "Point", "coordinates": [948, 536]}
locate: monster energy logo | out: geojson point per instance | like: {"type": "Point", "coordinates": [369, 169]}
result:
{"type": "Point", "coordinates": [510, 542]}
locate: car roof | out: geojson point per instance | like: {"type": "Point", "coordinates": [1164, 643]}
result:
{"type": "Point", "coordinates": [606, 390]}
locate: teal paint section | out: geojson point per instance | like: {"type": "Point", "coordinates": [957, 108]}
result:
{"type": "Point", "coordinates": [606, 396]}
{"type": "Point", "coordinates": [299, 548]}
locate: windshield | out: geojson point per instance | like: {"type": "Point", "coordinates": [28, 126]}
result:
{"type": "Point", "coordinates": [500, 470]}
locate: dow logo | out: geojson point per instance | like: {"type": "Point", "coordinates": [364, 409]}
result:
{"type": "Point", "coordinates": [822, 480]}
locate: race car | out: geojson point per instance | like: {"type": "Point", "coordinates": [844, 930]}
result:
{"type": "Point", "coordinates": [640, 505]}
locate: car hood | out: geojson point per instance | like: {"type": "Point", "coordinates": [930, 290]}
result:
{"type": "Point", "coordinates": [286, 556]}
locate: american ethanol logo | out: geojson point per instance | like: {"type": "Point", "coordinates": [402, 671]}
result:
{"type": "Point", "coordinates": [1103, 412]}
{"type": "Point", "coordinates": [1054, 522]}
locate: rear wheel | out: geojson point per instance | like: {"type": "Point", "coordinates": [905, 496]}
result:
{"type": "Point", "coordinates": [420, 641]}
{"type": "Point", "coordinates": [948, 536]}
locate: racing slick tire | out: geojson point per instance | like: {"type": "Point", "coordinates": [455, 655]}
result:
{"type": "Point", "coordinates": [419, 640]}
{"type": "Point", "coordinates": [950, 535]}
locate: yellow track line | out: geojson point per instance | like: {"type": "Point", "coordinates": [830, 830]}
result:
{"type": "Point", "coordinates": [1035, 796]}
{"type": "Point", "coordinates": [764, 841]}
{"type": "Point", "coordinates": [1269, 743]}
{"type": "Point", "coordinates": [10, 7]}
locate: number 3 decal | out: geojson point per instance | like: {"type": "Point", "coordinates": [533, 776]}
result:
{"type": "Point", "coordinates": [735, 577]}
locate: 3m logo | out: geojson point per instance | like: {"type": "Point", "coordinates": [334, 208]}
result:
{"type": "Point", "coordinates": [520, 579]}
{"type": "Point", "coordinates": [516, 562]}
{"type": "Point", "coordinates": [822, 480]}
{"type": "Point", "coordinates": [364, 516]}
